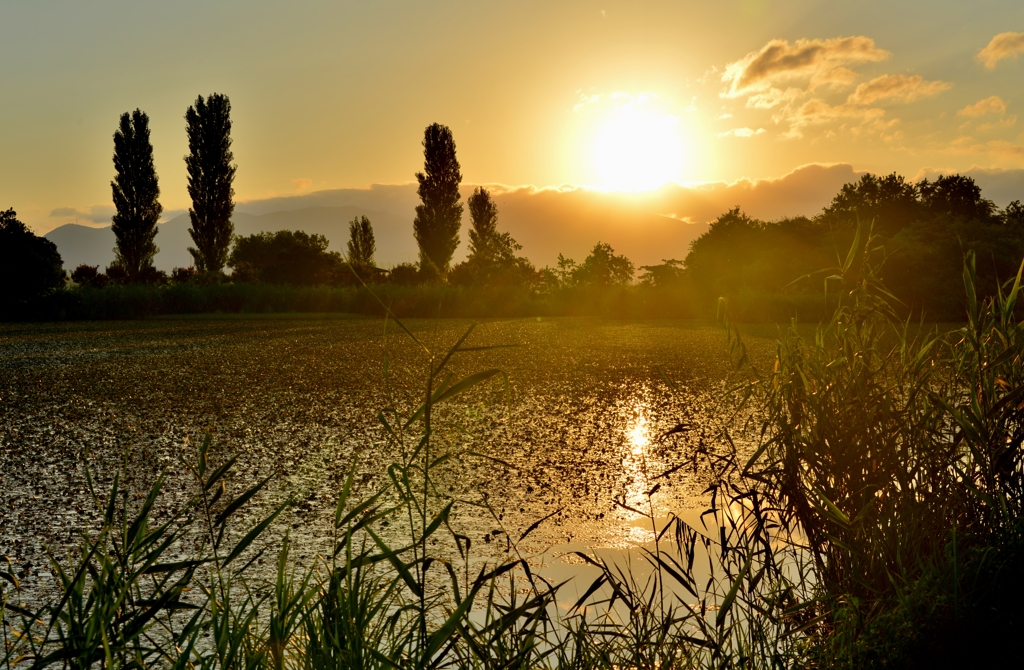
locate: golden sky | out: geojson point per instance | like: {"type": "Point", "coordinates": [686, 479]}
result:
{"type": "Point", "coordinates": [614, 95]}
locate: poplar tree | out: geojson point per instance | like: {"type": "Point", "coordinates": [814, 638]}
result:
{"type": "Point", "coordinates": [439, 216]}
{"type": "Point", "coordinates": [483, 216]}
{"type": "Point", "coordinates": [210, 178]}
{"type": "Point", "coordinates": [135, 189]}
{"type": "Point", "coordinates": [361, 245]}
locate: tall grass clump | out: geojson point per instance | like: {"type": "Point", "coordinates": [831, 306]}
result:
{"type": "Point", "coordinates": [895, 453]}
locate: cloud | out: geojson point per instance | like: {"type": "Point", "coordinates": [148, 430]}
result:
{"type": "Point", "coordinates": [798, 80]}
{"type": "Point", "coordinates": [991, 105]}
{"type": "Point", "coordinates": [741, 132]}
{"type": "Point", "coordinates": [998, 124]}
{"type": "Point", "coordinates": [969, 145]}
{"type": "Point", "coordinates": [809, 62]}
{"type": "Point", "coordinates": [1002, 46]}
{"type": "Point", "coordinates": [819, 112]}
{"type": "Point", "coordinates": [896, 88]}
{"type": "Point", "coordinates": [302, 184]}
{"type": "Point", "coordinates": [94, 214]}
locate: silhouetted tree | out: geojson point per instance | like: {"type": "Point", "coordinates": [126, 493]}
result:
{"type": "Point", "coordinates": [1013, 215]}
{"type": "Point", "coordinates": [286, 257]}
{"type": "Point", "coordinates": [30, 266]}
{"type": "Point", "coordinates": [925, 228]}
{"type": "Point", "coordinates": [404, 274]}
{"type": "Point", "coordinates": [439, 216]}
{"type": "Point", "coordinates": [890, 202]}
{"type": "Point", "coordinates": [116, 274]}
{"type": "Point", "coordinates": [361, 245]}
{"type": "Point", "coordinates": [183, 275]}
{"type": "Point", "coordinates": [668, 274]}
{"type": "Point", "coordinates": [89, 275]}
{"type": "Point", "coordinates": [210, 178]}
{"type": "Point", "coordinates": [958, 196]}
{"type": "Point", "coordinates": [483, 216]}
{"type": "Point", "coordinates": [135, 190]}
{"type": "Point", "coordinates": [601, 268]}
{"type": "Point", "coordinates": [492, 255]}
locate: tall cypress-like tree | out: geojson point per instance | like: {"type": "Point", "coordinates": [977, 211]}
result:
{"type": "Point", "coordinates": [361, 245]}
{"type": "Point", "coordinates": [483, 215]}
{"type": "Point", "coordinates": [135, 190]}
{"type": "Point", "coordinates": [439, 217]}
{"type": "Point", "coordinates": [210, 178]}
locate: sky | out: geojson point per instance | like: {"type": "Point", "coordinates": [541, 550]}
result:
{"type": "Point", "coordinates": [621, 96]}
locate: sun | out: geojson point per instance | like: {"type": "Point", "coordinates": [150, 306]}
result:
{"type": "Point", "coordinates": [638, 150]}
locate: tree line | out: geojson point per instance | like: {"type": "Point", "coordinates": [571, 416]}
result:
{"type": "Point", "coordinates": [925, 229]}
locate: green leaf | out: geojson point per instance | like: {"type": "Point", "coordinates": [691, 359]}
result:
{"type": "Point", "coordinates": [723, 611]}
{"type": "Point", "coordinates": [468, 383]}
{"type": "Point", "coordinates": [834, 512]}
{"type": "Point", "coordinates": [218, 473]}
{"type": "Point", "coordinates": [254, 533]}
{"type": "Point", "coordinates": [396, 562]}
{"type": "Point", "coordinates": [235, 504]}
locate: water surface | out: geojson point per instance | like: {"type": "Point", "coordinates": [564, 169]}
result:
{"type": "Point", "coordinates": [578, 438]}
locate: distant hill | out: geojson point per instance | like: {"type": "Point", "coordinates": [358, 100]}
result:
{"type": "Point", "coordinates": [79, 244]}
{"type": "Point", "coordinates": [546, 224]}
{"type": "Point", "coordinates": [646, 227]}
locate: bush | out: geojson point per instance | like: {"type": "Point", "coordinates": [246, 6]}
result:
{"type": "Point", "coordinates": [287, 257]}
{"type": "Point", "coordinates": [89, 275]}
{"type": "Point", "coordinates": [183, 275]}
{"type": "Point", "coordinates": [404, 274]}
{"type": "Point", "coordinates": [116, 274]}
{"type": "Point", "coordinates": [150, 275]}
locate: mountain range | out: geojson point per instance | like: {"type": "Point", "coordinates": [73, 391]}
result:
{"type": "Point", "coordinates": [646, 227]}
{"type": "Point", "coordinates": [80, 244]}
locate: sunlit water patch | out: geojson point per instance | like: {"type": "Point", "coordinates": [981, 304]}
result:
{"type": "Point", "coordinates": [582, 440]}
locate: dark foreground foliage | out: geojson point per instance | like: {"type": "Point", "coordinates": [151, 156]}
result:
{"type": "Point", "coordinates": [876, 524]}
{"type": "Point", "coordinates": [30, 266]}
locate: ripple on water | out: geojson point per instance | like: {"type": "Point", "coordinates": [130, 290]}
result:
{"type": "Point", "coordinates": [581, 442]}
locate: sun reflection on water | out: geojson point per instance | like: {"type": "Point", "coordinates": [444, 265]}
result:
{"type": "Point", "coordinates": [634, 462]}
{"type": "Point", "coordinates": [638, 435]}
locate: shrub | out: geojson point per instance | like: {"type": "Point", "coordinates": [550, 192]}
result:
{"type": "Point", "coordinates": [116, 274]}
{"type": "Point", "coordinates": [89, 275]}
{"type": "Point", "coordinates": [287, 257]}
{"type": "Point", "coordinates": [183, 275]}
{"type": "Point", "coordinates": [404, 274]}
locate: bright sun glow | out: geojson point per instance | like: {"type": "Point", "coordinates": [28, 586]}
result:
{"type": "Point", "coordinates": [638, 150]}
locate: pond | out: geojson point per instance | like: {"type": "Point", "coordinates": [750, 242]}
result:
{"type": "Point", "coordinates": [576, 437]}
